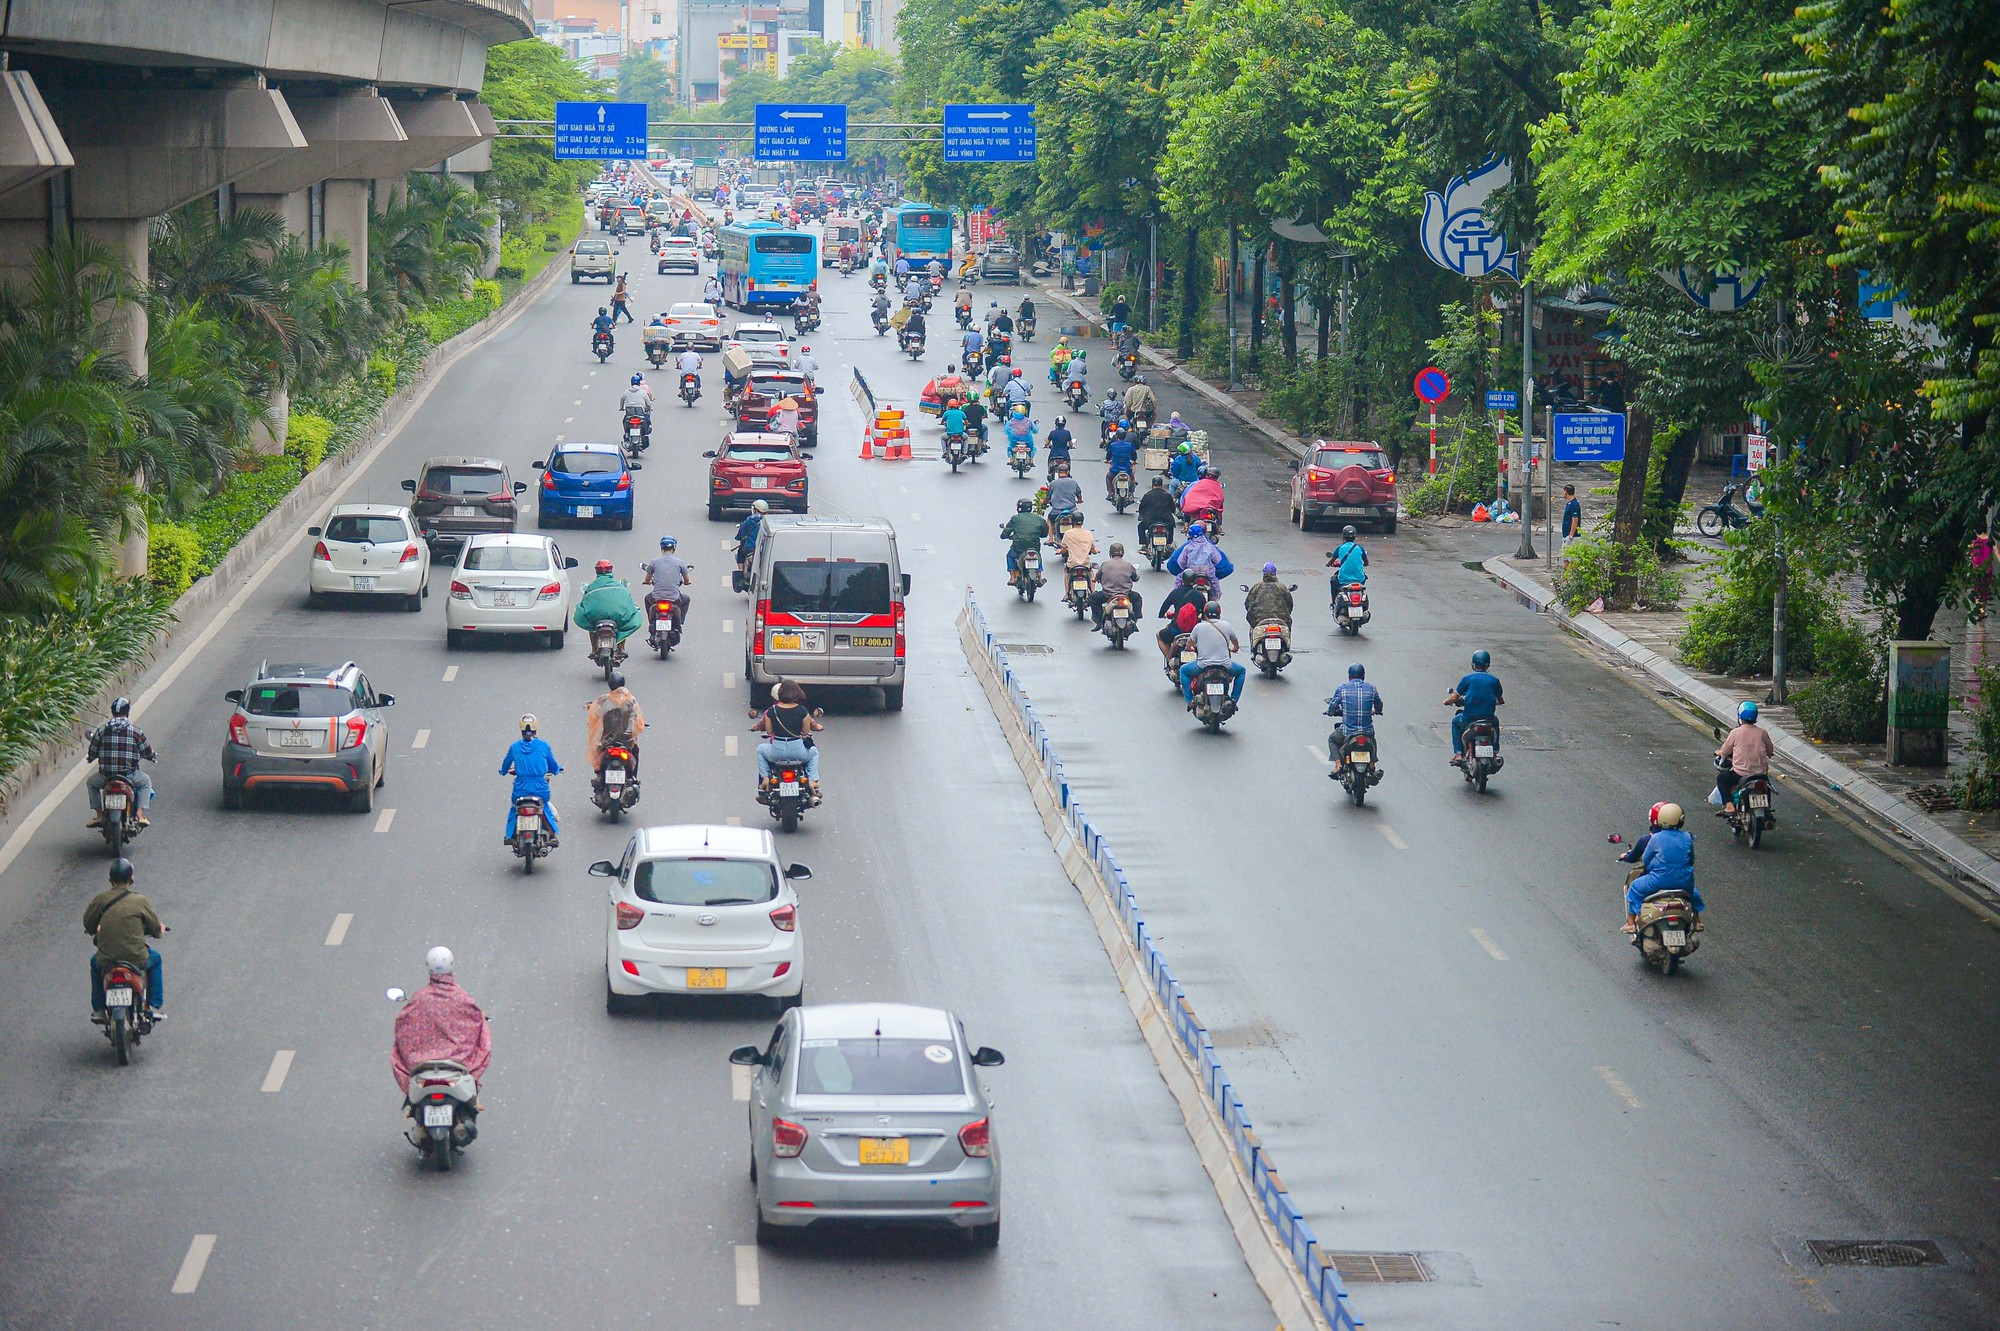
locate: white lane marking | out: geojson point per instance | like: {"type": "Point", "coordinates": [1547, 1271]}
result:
{"type": "Point", "coordinates": [729, 585]}
{"type": "Point", "coordinates": [1394, 840]}
{"type": "Point", "coordinates": [1492, 948]}
{"type": "Point", "coordinates": [450, 673]}
{"type": "Point", "coordinates": [423, 738]}
{"type": "Point", "coordinates": [739, 1083]}
{"type": "Point", "coordinates": [1620, 1089]}
{"type": "Point", "coordinates": [747, 1295]}
{"type": "Point", "coordinates": [568, 419]}
{"type": "Point", "coordinates": [902, 489]}
{"type": "Point", "coordinates": [577, 403]}
{"type": "Point", "coordinates": [729, 746]}
{"type": "Point", "coordinates": [916, 517]}
{"type": "Point", "coordinates": [281, 1063]}
{"type": "Point", "coordinates": [728, 544]}
{"type": "Point", "coordinates": [561, 437]}
{"type": "Point", "coordinates": [383, 819]}
{"type": "Point", "coordinates": [1318, 756]}
{"type": "Point", "coordinates": [338, 934]}
{"type": "Point", "coordinates": [733, 821]}
{"type": "Point", "coordinates": [729, 626]}
{"type": "Point", "coordinates": [728, 681]}
{"type": "Point", "coordinates": [194, 1264]}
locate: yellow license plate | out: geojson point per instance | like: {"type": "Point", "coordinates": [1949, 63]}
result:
{"type": "Point", "coordinates": [873, 642]}
{"type": "Point", "coordinates": [707, 977]}
{"type": "Point", "coordinates": [885, 1150]}
{"type": "Point", "coordinates": [786, 642]}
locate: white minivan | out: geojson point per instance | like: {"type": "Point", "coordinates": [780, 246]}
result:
{"type": "Point", "coordinates": [827, 606]}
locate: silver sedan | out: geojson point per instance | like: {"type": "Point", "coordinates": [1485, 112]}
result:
{"type": "Point", "coordinates": [872, 1113]}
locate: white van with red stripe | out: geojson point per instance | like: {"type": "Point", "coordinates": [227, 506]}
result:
{"type": "Point", "coordinates": [827, 607]}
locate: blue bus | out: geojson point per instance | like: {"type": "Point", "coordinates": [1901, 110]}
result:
{"type": "Point", "coordinates": [764, 264]}
{"type": "Point", "coordinates": [918, 232]}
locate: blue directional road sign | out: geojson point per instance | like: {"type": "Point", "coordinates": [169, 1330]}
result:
{"type": "Point", "coordinates": [799, 133]}
{"type": "Point", "coordinates": [1503, 399]}
{"type": "Point", "coordinates": [1595, 436]}
{"type": "Point", "coordinates": [1004, 132]}
{"type": "Point", "coordinates": [601, 129]}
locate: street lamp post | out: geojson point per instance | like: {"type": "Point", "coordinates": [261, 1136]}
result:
{"type": "Point", "coordinates": [1235, 382]}
{"type": "Point", "coordinates": [1527, 493]}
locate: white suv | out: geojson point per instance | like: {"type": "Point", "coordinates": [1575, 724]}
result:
{"type": "Point", "coordinates": [701, 909]}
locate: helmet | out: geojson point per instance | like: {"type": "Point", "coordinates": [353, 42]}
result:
{"type": "Point", "coordinates": [1017, 373]}
{"type": "Point", "coordinates": [1185, 447]}
{"type": "Point", "coordinates": [1062, 420]}
{"type": "Point", "coordinates": [121, 870]}
{"type": "Point", "coordinates": [123, 707]}
{"type": "Point", "coordinates": [1075, 518]}
{"type": "Point", "coordinates": [1212, 610]}
{"type": "Point", "coordinates": [1023, 505]}
{"type": "Point", "coordinates": [600, 309]}
{"type": "Point", "coordinates": [439, 960]}
{"type": "Point", "coordinates": [668, 542]}
{"type": "Point", "coordinates": [1672, 815]}
{"type": "Point", "coordinates": [615, 680]}
{"type": "Point", "coordinates": [603, 566]}
{"type": "Point", "coordinates": [1357, 671]}
{"type": "Point", "coordinates": [1195, 529]}
{"type": "Point", "coordinates": [638, 378]}
{"type": "Point", "coordinates": [1160, 481]}
{"type": "Point", "coordinates": [1210, 474]}
{"type": "Point", "coordinates": [1348, 531]}
{"type": "Point", "coordinates": [1481, 659]}
{"type": "Point", "coordinates": [1006, 360]}
{"type": "Point", "coordinates": [1124, 424]}
{"type": "Point", "coordinates": [1020, 412]}
{"type": "Point", "coordinates": [1270, 570]}
{"type": "Point", "coordinates": [760, 506]}
{"type": "Point", "coordinates": [1653, 814]}
{"type": "Point", "coordinates": [805, 348]}
{"type": "Point", "coordinates": [528, 723]}
{"type": "Point", "coordinates": [1745, 711]}
{"type": "Point", "coordinates": [1118, 549]}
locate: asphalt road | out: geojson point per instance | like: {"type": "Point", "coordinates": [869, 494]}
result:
{"type": "Point", "coordinates": [608, 1187]}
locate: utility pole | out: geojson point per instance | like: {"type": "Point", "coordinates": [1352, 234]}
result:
{"type": "Point", "coordinates": [1527, 491]}
{"type": "Point", "coordinates": [1235, 382]}
{"type": "Point", "coordinates": [1153, 275]}
{"type": "Point", "coordinates": [1778, 596]}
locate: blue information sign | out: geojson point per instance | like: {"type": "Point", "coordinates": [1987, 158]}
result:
{"type": "Point", "coordinates": [1596, 436]}
{"type": "Point", "coordinates": [799, 133]}
{"type": "Point", "coordinates": [1503, 399]}
{"type": "Point", "coordinates": [1002, 132]}
{"type": "Point", "coordinates": [601, 129]}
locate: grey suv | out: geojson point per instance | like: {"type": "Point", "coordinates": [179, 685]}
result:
{"type": "Point", "coordinates": [307, 727]}
{"type": "Point", "coordinates": [461, 497]}
{"type": "Point", "coordinates": [1001, 263]}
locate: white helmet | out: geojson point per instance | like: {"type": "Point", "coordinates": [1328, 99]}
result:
{"type": "Point", "coordinates": [440, 960]}
{"type": "Point", "coordinates": [528, 721]}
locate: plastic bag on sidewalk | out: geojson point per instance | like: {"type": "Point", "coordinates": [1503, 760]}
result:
{"type": "Point", "coordinates": [1715, 797]}
{"type": "Point", "coordinates": [1479, 514]}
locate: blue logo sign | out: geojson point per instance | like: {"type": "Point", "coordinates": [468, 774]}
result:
{"type": "Point", "coordinates": [796, 133]}
{"type": "Point", "coordinates": [601, 129]}
{"type": "Point", "coordinates": [1722, 292]}
{"type": "Point", "coordinates": [1595, 436]}
{"type": "Point", "coordinates": [1456, 234]}
{"type": "Point", "coordinates": [998, 133]}
{"type": "Point", "coordinates": [1878, 301]}
{"type": "Point", "coordinates": [1503, 399]}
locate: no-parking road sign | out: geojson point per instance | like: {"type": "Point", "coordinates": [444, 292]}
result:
{"type": "Point", "coordinates": [1433, 384]}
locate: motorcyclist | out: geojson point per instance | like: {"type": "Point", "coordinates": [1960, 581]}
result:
{"type": "Point", "coordinates": [116, 747]}
{"type": "Point", "coordinates": [1127, 342]}
{"type": "Point", "coordinates": [1268, 600]}
{"type": "Point", "coordinates": [1177, 429]}
{"type": "Point", "coordinates": [637, 398]}
{"type": "Point", "coordinates": [952, 418]}
{"type": "Point", "coordinates": [1023, 532]}
{"type": "Point", "coordinates": [1214, 641]}
{"type": "Point", "coordinates": [1076, 372]}
{"type": "Point", "coordinates": [846, 254]}
{"type": "Point", "coordinates": [655, 334]}
{"type": "Point", "coordinates": [441, 1023]}
{"type": "Point", "coordinates": [902, 268]}
{"type": "Point", "coordinates": [1109, 412]}
{"type": "Point", "coordinates": [969, 345]}
{"type": "Point", "coordinates": [1116, 576]}
{"type": "Point", "coordinates": [1747, 752]}
{"type": "Point", "coordinates": [963, 308]}
{"type": "Point", "coordinates": [998, 320]}
{"type": "Point", "coordinates": [1155, 505]}
{"type": "Point", "coordinates": [711, 291]}
{"type": "Point", "coordinates": [747, 532]}
{"type": "Point", "coordinates": [120, 919]}
{"type": "Point", "coordinates": [1017, 390]}
{"type": "Point", "coordinates": [1060, 440]}
{"type": "Point", "coordinates": [669, 575]}
{"type": "Point", "coordinates": [1019, 429]}
{"type": "Point", "coordinates": [613, 717]}
{"type": "Point", "coordinates": [1120, 454]}
{"type": "Point", "coordinates": [788, 727]}
{"type": "Point", "coordinates": [1205, 495]}
{"type": "Point", "coordinates": [607, 597]}
{"type": "Point", "coordinates": [603, 324]}
{"type": "Point", "coordinates": [1077, 543]}
{"type": "Point", "coordinates": [1065, 495]}
{"type": "Point", "coordinates": [975, 422]}
{"type": "Point", "coordinates": [1187, 595]}
{"type": "Point", "coordinates": [1478, 696]}
{"type": "Point", "coordinates": [878, 312]}
{"type": "Point", "coordinates": [1060, 356]}
{"type": "Point", "coordinates": [913, 291]}
{"type": "Point", "coordinates": [913, 328]}
{"type": "Point", "coordinates": [1121, 314]}
{"type": "Point", "coordinates": [807, 363]}
{"type": "Point", "coordinates": [690, 363]}
{"type": "Point", "coordinates": [1348, 561]}
{"type": "Point", "coordinates": [1185, 469]}
{"type": "Point", "coordinates": [1027, 309]}
{"type": "Point", "coordinates": [1202, 556]}
{"type": "Point", "coordinates": [1669, 860]}
{"type": "Point", "coordinates": [531, 762]}
{"type": "Point", "coordinates": [1354, 705]}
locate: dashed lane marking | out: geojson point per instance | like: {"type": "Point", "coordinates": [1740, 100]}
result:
{"type": "Point", "coordinates": [1389, 833]}
{"type": "Point", "coordinates": [729, 746]}
{"type": "Point", "coordinates": [733, 821]}
{"type": "Point", "coordinates": [739, 1083]}
{"type": "Point", "coordinates": [1492, 948]}
{"type": "Point", "coordinates": [747, 1295]}
{"type": "Point", "coordinates": [1317, 756]}
{"type": "Point", "coordinates": [192, 1265]}
{"type": "Point", "coordinates": [568, 419]}
{"type": "Point", "coordinates": [383, 819]}
{"type": "Point", "coordinates": [1620, 1089]}
{"type": "Point", "coordinates": [423, 738]}
{"type": "Point", "coordinates": [450, 673]}
{"type": "Point", "coordinates": [728, 680]}
{"type": "Point", "coordinates": [729, 585]}
{"type": "Point", "coordinates": [274, 1080]}
{"type": "Point", "coordinates": [577, 403]}
{"type": "Point", "coordinates": [338, 934]}
{"type": "Point", "coordinates": [916, 517]}
{"type": "Point", "coordinates": [728, 626]}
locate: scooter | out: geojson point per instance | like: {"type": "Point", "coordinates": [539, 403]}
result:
{"type": "Point", "coordinates": [532, 839]}
{"type": "Point", "coordinates": [912, 344]}
{"type": "Point", "coordinates": [606, 651]}
{"type": "Point", "coordinates": [1181, 653]}
{"type": "Point", "coordinates": [880, 320]}
{"type": "Point", "coordinates": [1271, 647]}
{"type": "Point", "coordinates": [1356, 768]}
{"type": "Point", "coordinates": [614, 789]}
{"type": "Point", "coordinates": [127, 1018]}
{"type": "Point", "coordinates": [1128, 366]}
{"type": "Point", "coordinates": [846, 267]}
{"type": "Point", "coordinates": [964, 316]}
{"type": "Point", "coordinates": [656, 352]}
{"type": "Point", "coordinates": [442, 1101]}
{"type": "Point", "coordinates": [1118, 621]}
{"type": "Point", "coordinates": [1350, 607]}
{"type": "Point", "coordinates": [600, 346]}
{"type": "Point", "coordinates": [690, 389]}
{"type": "Point", "coordinates": [1025, 326]}
{"type": "Point", "coordinates": [1019, 458]}
{"type": "Point", "coordinates": [1121, 491]}
{"type": "Point", "coordinates": [120, 803]}
{"type": "Point", "coordinates": [663, 632]}
{"type": "Point", "coordinates": [1748, 808]}
{"type": "Point", "coordinates": [1159, 544]}
{"type": "Point", "coordinates": [1077, 581]}
{"type": "Point", "coordinates": [1669, 930]}
{"type": "Point", "coordinates": [955, 451]}
{"type": "Point", "coordinates": [1078, 394]}
{"type": "Point", "coordinates": [1028, 574]}
{"type": "Point", "coordinates": [1482, 750]}
{"type": "Point", "coordinates": [638, 434]}
{"type": "Point", "coordinates": [1212, 704]}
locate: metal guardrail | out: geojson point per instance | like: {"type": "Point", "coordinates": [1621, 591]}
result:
{"type": "Point", "coordinates": [1293, 1230]}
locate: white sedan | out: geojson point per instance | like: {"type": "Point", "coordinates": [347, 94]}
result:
{"type": "Point", "coordinates": [508, 583]}
{"type": "Point", "coordinates": [699, 909]}
{"type": "Point", "coordinates": [694, 323]}
{"type": "Point", "coordinates": [765, 343]}
{"type": "Point", "coordinates": [371, 550]}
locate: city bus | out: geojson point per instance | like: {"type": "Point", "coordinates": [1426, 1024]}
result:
{"type": "Point", "coordinates": [764, 264]}
{"type": "Point", "coordinates": [918, 232]}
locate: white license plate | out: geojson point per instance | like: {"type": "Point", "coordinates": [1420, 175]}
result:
{"type": "Point", "coordinates": [1482, 750]}
{"type": "Point", "coordinates": [788, 787]}
{"type": "Point", "coordinates": [1674, 937]}
{"type": "Point", "coordinates": [118, 997]}
{"type": "Point", "coordinates": [504, 599]}
{"type": "Point", "coordinates": [1187, 658]}
{"type": "Point", "coordinates": [1214, 690]}
{"type": "Point", "coordinates": [364, 584]}
{"type": "Point", "coordinates": [1274, 647]}
{"type": "Point", "coordinates": [437, 1116]}
{"type": "Point", "coordinates": [1349, 512]}
{"type": "Point", "coordinates": [1160, 541]}
{"type": "Point", "coordinates": [463, 512]}
{"type": "Point", "coordinates": [1760, 801]}
{"type": "Point", "coordinates": [528, 822]}
{"type": "Point", "coordinates": [614, 777]}
{"type": "Point", "coordinates": [586, 511]}
{"type": "Point", "coordinates": [760, 482]}
{"type": "Point", "coordinates": [1361, 759]}
{"type": "Point", "coordinates": [297, 739]}
{"type": "Point", "coordinates": [114, 802]}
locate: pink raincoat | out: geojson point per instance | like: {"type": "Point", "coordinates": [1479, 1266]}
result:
{"type": "Point", "coordinates": [440, 1021]}
{"type": "Point", "coordinates": [1204, 496]}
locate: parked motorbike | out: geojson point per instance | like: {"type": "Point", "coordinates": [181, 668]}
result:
{"type": "Point", "coordinates": [1713, 519]}
{"type": "Point", "coordinates": [1076, 584]}
{"type": "Point", "coordinates": [600, 346]}
{"type": "Point", "coordinates": [955, 450]}
{"type": "Point", "coordinates": [614, 789]}
{"type": "Point", "coordinates": [1119, 624]}
{"type": "Point", "coordinates": [1482, 750]}
{"type": "Point", "coordinates": [1121, 491]}
{"type": "Point", "coordinates": [1159, 544]}
{"type": "Point", "coordinates": [638, 433]}
{"type": "Point", "coordinates": [690, 389]}
{"type": "Point", "coordinates": [1271, 647]}
{"type": "Point", "coordinates": [532, 839]}
{"type": "Point", "coordinates": [606, 652]}
{"type": "Point", "coordinates": [1748, 808]}
{"type": "Point", "coordinates": [120, 803]}
{"type": "Point", "coordinates": [442, 1101]}
{"type": "Point", "coordinates": [1356, 767]}
{"type": "Point", "coordinates": [127, 1018]}
{"type": "Point", "coordinates": [1212, 704]}
{"type": "Point", "coordinates": [1350, 607]}
{"type": "Point", "coordinates": [1019, 459]}
{"type": "Point", "coordinates": [1669, 930]}
{"type": "Point", "coordinates": [1028, 574]}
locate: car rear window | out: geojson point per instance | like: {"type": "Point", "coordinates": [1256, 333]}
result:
{"type": "Point", "coordinates": [592, 247]}
{"type": "Point", "coordinates": [879, 1066]}
{"type": "Point", "coordinates": [1334, 458]}
{"type": "Point", "coordinates": [297, 700]}
{"type": "Point", "coordinates": [757, 453]}
{"type": "Point", "coordinates": [585, 464]}
{"type": "Point", "coordinates": [704, 882]}
{"type": "Point", "coordinates": [759, 335]}
{"type": "Point", "coordinates": [361, 527]}
{"type": "Point", "coordinates": [827, 588]}
{"type": "Point", "coordinates": [506, 559]}
{"type": "Point", "coordinates": [461, 481]}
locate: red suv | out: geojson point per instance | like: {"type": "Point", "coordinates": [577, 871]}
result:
{"type": "Point", "coordinates": [1344, 482]}
{"type": "Point", "coordinates": [749, 467]}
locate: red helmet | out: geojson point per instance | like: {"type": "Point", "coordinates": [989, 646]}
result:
{"type": "Point", "coordinates": [603, 566]}
{"type": "Point", "coordinates": [1653, 815]}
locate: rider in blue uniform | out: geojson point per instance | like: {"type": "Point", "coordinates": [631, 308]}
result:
{"type": "Point", "coordinates": [531, 762]}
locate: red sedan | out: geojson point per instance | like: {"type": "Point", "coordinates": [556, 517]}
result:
{"type": "Point", "coordinates": [749, 467]}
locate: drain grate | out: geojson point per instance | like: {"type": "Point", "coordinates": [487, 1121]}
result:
{"type": "Point", "coordinates": [1027, 648]}
{"type": "Point", "coordinates": [1875, 1252]}
{"type": "Point", "coordinates": [1379, 1268]}
{"type": "Point", "coordinates": [1934, 799]}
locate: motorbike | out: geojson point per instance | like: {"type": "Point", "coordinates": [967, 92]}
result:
{"type": "Point", "coordinates": [880, 320]}
{"type": "Point", "coordinates": [1119, 624]}
{"type": "Point", "coordinates": [1078, 394]}
{"type": "Point", "coordinates": [1025, 326]}
{"type": "Point", "coordinates": [1669, 930]}
{"type": "Point", "coordinates": [532, 840]}
{"type": "Point", "coordinates": [1121, 491]}
{"type": "Point", "coordinates": [442, 1101]}
{"type": "Point", "coordinates": [614, 789]}
{"type": "Point", "coordinates": [997, 346]}
{"type": "Point", "coordinates": [690, 388]}
{"type": "Point", "coordinates": [606, 651]}
{"type": "Point", "coordinates": [878, 281]}
{"type": "Point", "coordinates": [1212, 704]}
{"type": "Point", "coordinates": [1019, 458]}
{"type": "Point", "coordinates": [1748, 808]}
{"type": "Point", "coordinates": [656, 352]}
{"type": "Point", "coordinates": [1713, 519]}
{"type": "Point", "coordinates": [955, 451]}
{"type": "Point", "coordinates": [912, 344]}
{"type": "Point", "coordinates": [1128, 366]}
{"type": "Point", "coordinates": [964, 316]}
{"type": "Point", "coordinates": [1482, 750]}
{"type": "Point", "coordinates": [120, 803]}
{"type": "Point", "coordinates": [600, 346]}
{"type": "Point", "coordinates": [1210, 520]}
{"type": "Point", "coordinates": [1356, 767]}
{"type": "Point", "coordinates": [785, 795]}
{"type": "Point", "coordinates": [638, 433]}
{"type": "Point", "coordinates": [1159, 544]}
{"type": "Point", "coordinates": [805, 321]}
{"type": "Point", "coordinates": [1350, 607]}
{"type": "Point", "coordinates": [1180, 654]}
{"type": "Point", "coordinates": [127, 1018]}
{"type": "Point", "coordinates": [1028, 574]}
{"type": "Point", "coordinates": [663, 631]}
{"type": "Point", "coordinates": [1271, 647]}
{"type": "Point", "coordinates": [846, 267]}
{"type": "Point", "coordinates": [1076, 581]}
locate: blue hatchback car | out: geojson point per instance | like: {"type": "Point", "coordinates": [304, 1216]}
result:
{"type": "Point", "coordinates": [586, 483]}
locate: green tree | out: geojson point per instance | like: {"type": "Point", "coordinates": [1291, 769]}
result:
{"type": "Point", "coordinates": [641, 78]}
{"type": "Point", "coordinates": [524, 81]}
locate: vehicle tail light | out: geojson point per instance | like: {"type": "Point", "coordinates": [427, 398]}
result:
{"type": "Point", "coordinates": [757, 641]}
{"type": "Point", "coordinates": [548, 480]}
{"type": "Point", "coordinates": [629, 915]}
{"type": "Point", "coordinates": [1315, 474]}
{"type": "Point", "coordinates": [624, 481]}
{"type": "Point", "coordinates": [781, 969]}
{"type": "Point", "coordinates": [798, 484]}
{"type": "Point", "coordinates": [786, 918]}
{"type": "Point", "coordinates": [357, 730]}
{"type": "Point", "coordinates": [319, 552]}
{"type": "Point", "coordinates": [459, 591]}
{"type": "Point", "coordinates": [430, 495]}
{"type": "Point", "coordinates": [634, 422]}
{"type": "Point", "coordinates": [1354, 598]}
{"type": "Point", "coordinates": [787, 1138]}
{"type": "Point", "coordinates": [976, 1138]}
{"type": "Point", "coordinates": [500, 499]}
{"type": "Point", "coordinates": [720, 483]}
{"type": "Point", "coordinates": [239, 729]}
{"type": "Point", "coordinates": [549, 592]}
{"type": "Point", "coordinates": [410, 552]}
{"type": "Point", "coordinates": [899, 630]}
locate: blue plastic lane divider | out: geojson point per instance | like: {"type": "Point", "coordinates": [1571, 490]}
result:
{"type": "Point", "coordinates": [1265, 1182]}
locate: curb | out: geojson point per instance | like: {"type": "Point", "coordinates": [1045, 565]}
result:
{"type": "Point", "coordinates": [1720, 708]}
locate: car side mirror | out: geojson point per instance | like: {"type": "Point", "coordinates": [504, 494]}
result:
{"type": "Point", "coordinates": [1293, 587]}
{"type": "Point", "coordinates": [906, 584]}
{"type": "Point", "coordinates": [797, 871]}
{"type": "Point", "coordinates": [569, 561]}
{"type": "Point", "coordinates": [635, 466]}
{"type": "Point", "coordinates": [984, 1057]}
{"type": "Point", "coordinates": [520, 486]}
{"type": "Point", "coordinates": [1293, 465]}
{"type": "Point", "coordinates": [236, 696]}
{"type": "Point", "coordinates": [747, 1056]}
{"type": "Point", "coordinates": [385, 700]}
{"type": "Point", "coordinates": [709, 454]}
{"type": "Point", "coordinates": [543, 465]}
{"type": "Point", "coordinates": [603, 869]}
{"type": "Point", "coordinates": [411, 486]}
{"type": "Point", "coordinates": [312, 531]}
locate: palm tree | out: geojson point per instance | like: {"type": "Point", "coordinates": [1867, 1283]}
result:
{"type": "Point", "coordinates": [433, 242]}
